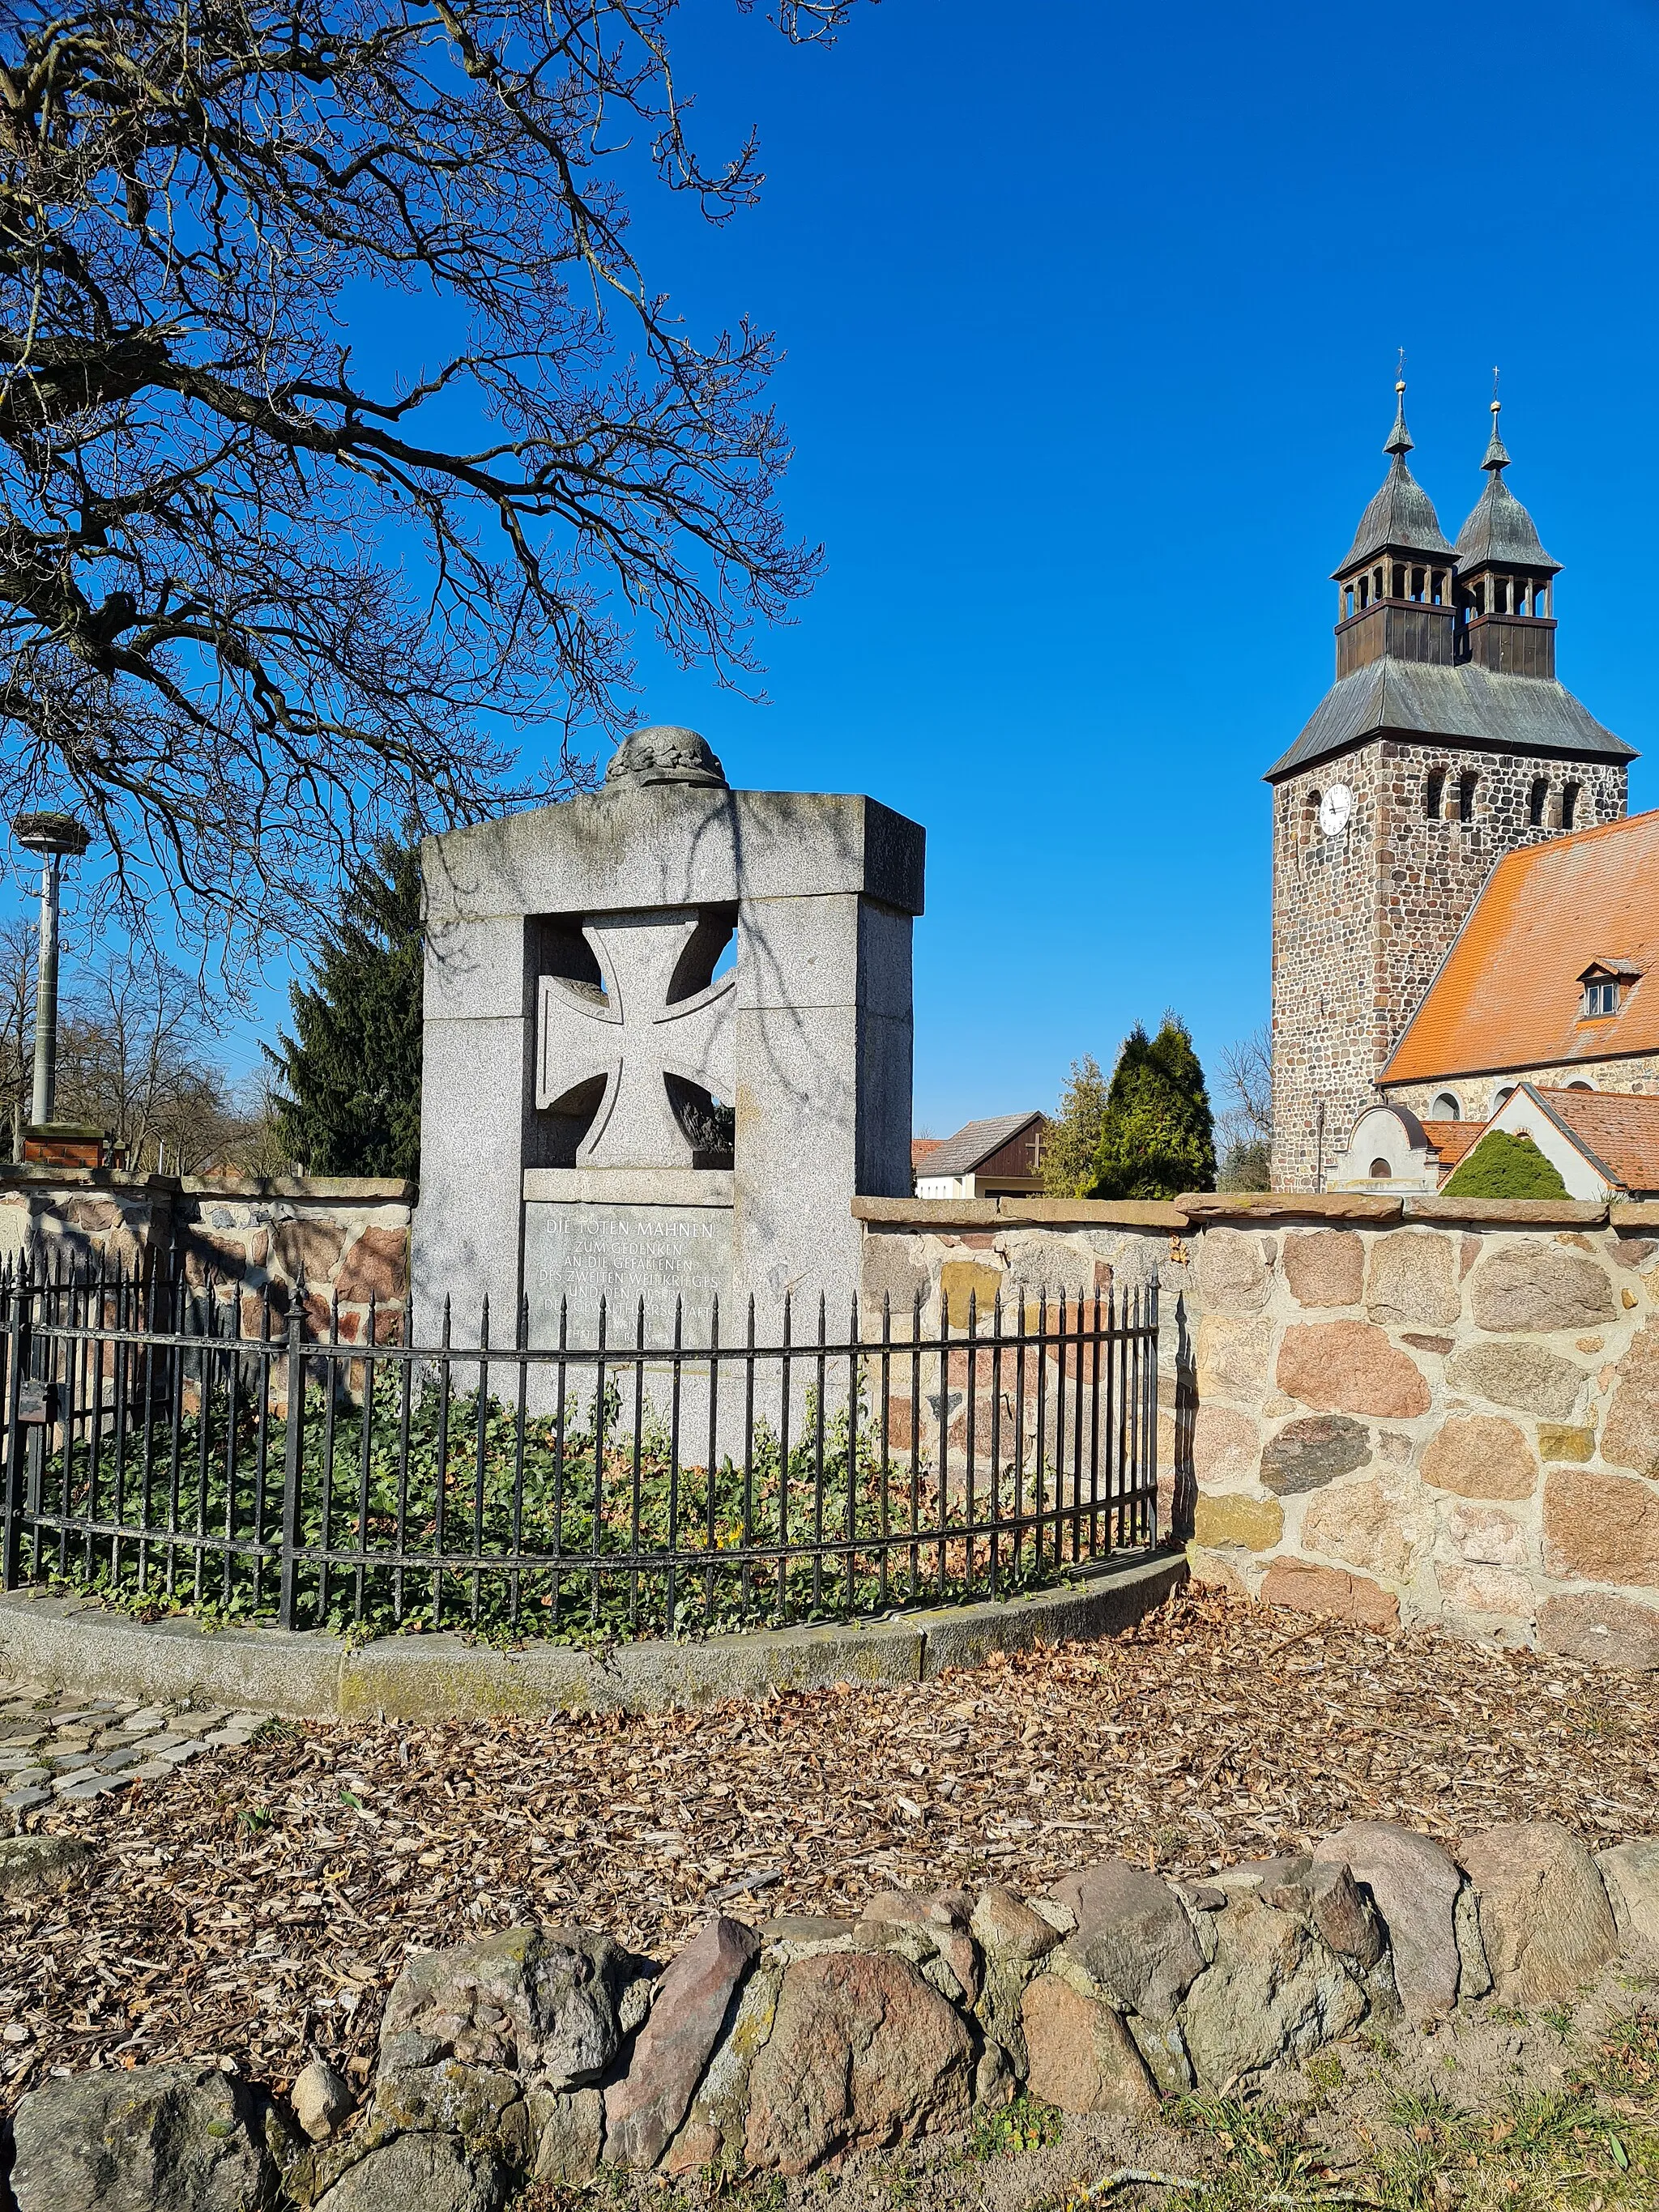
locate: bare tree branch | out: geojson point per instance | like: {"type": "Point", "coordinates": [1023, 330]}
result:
{"type": "Point", "coordinates": [251, 612]}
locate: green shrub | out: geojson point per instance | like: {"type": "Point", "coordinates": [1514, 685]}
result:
{"type": "Point", "coordinates": [1158, 1135]}
{"type": "Point", "coordinates": [1502, 1166]}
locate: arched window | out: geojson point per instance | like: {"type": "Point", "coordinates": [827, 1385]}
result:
{"type": "Point", "coordinates": [1381, 1172]}
{"type": "Point", "coordinates": [1568, 805]}
{"type": "Point", "coordinates": [1465, 789]}
{"type": "Point", "coordinates": [1445, 1108]}
{"type": "Point", "coordinates": [1580, 1085]}
{"type": "Point", "coordinates": [1505, 1091]}
{"type": "Point", "coordinates": [1535, 798]}
{"type": "Point", "coordinates": [1434, 794]}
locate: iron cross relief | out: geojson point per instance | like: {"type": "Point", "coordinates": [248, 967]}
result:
{"type": "Point", "coordinates": [633, 1036]}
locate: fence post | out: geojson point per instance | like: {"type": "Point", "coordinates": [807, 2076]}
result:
{"type": "Point", "coordinates": [294, 1461]}
{"type": "Point", "coordinates": [17, 1358]}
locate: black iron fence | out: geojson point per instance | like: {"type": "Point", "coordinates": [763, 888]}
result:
{"type": "Point", "coordinates": [187, 1444]}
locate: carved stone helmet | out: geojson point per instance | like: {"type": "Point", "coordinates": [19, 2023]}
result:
{"type": "Point", "coordinates": [663, 754]}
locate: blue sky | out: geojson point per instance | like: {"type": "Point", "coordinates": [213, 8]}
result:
{"type": "Point", "coordinates": [1091, 315]}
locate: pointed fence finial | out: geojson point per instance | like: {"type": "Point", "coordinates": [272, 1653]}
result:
{"type": "Point", "coordinates": [1496, 458]}
{"type": "Point", "coordinates": [1399, 438]}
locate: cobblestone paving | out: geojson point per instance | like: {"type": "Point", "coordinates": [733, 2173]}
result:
{"type": "Point", "coordinates": [54, 1746]}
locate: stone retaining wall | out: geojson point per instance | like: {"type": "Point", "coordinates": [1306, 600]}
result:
{"type": "Point", "coordinates": [346, 1237]}
{"type": "Point", "coordinates": [1372, 1407]}
{"type": "Point", "coordinates": [552, 2053]}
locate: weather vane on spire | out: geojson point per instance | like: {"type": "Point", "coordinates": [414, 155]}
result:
{"type": "Point", "coordinates": [1399, 438]}
{"type": "Point", "coordinates": [1496, 458]}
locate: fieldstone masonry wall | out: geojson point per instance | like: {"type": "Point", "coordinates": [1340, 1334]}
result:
{"type": "Point", "coordinates": [1478, 1094]}
{"type": "Point", "coordinates": [1380, 1409]}
{"type": "Point", "coordinates": [346, 1238]}
{"type": "Point", "coordinates": [550, 2054]}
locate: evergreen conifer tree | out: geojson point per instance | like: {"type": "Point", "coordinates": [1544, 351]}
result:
{"type": "Point", "coordinates": [1158, 1139]}
{"type": "Point", "coordinates": [350, 1100]}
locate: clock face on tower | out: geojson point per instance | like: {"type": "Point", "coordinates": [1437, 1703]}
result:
{"type": "Point", "coordinates": [1334, 808]}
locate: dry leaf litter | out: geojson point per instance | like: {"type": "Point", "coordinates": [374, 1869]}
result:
{"type": "Point", "coordinates": [255, 1911]}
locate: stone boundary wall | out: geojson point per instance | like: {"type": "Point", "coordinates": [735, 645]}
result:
{"type": "Point", "coordinates": [551, 2053]}
{"type": "Point", "coordinates": [344, 1237]}
{"type": "Point", "coordinates": [1383, 1409]}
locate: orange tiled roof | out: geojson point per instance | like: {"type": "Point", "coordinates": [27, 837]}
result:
{"type": "Point", "coordinates": [1508, 994]}
{"type": "Point", "coordinates": [1450, 1140]}
{"type": "Point", "coordinates": [1619, 1130]}
{"type": "Point", "coordinates": [921, 1146]}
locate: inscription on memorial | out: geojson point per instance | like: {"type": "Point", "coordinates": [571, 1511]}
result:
{"type": "Point", "coordinates": [584, 1252]}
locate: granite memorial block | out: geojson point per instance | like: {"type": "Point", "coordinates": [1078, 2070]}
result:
{"type": "Point", "coordinates": [667, 1041]}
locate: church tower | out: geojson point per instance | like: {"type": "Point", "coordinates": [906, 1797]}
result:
{"type": "Point", "coordinates": [1445, 742]}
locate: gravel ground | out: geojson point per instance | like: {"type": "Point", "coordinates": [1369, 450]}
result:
{"type": "Point", "coordinates": [256, 1909]}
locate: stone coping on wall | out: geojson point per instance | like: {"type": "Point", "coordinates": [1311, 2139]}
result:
{"type": "Point", "coordinates": [308, 1674]}
{"type": "Point", "coordinates": [1200, 1206]}
{"type": "Point", "coordinates": [361, 1190]}
{"type": "Point", "coordinates": [1194, 1208]}
{"type": "Point", "coordinates": [945, 1213]}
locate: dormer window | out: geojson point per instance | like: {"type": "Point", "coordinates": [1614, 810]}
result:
{"type": "Point", "coordinates": [1608, 982]}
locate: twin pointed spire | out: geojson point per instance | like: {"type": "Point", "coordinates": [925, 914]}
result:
{"type": "Point", "coordinates": [1402, 519]}
{"type": "Point", "coordinates": [1499, 530]}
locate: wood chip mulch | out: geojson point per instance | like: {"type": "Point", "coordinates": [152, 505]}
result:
{"type": "Point", "coordinates": [258, 1910]}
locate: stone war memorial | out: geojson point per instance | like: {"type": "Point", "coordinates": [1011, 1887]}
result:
{"type": "Point", "coordinates": [668, 1041]}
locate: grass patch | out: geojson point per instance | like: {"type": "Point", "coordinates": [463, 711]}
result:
{"type": "Point", "coordinates": [1567, 2150]}
{"type": "Point", "coordinates": [1025, 2124]}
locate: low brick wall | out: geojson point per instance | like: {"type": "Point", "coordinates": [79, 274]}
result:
{"type": "Point", "coordinates": [345, 1238]}
{"type": "Point", "coordinates": [1373, 1407]}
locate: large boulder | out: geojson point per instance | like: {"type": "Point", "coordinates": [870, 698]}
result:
{"type": "Point", "coordinates": [931, 1932]}
{"type": "Point", "coordinates": [1544, 1919]}
{"type": "Point", "coordinates": [566, 2127]}
{"type": "Point", "coordinates": [1538, 1285]}
{"type": "Point", "coordinates": [643, 2109]}
{"type": "Point", "coordinates": [1415, 1885]}
{"type": "Point", "coordinates": [482, 2104]}
{"type": "Point", "coordinates": [1413, 1279]}
{"type": "Point", "coordinates": [1519, 1373]}
{"type": "Point", "coordinates": [1603, 1528]}
{"type": "Point", "coordinates": [550, 2004]}
{"type": "Point", "coordinates": [714, 2130]}
{"type": "Point", "coordinates": [1350, 1367]}
{"type": "Point", "coordinates": [1481, 1455]}
{"type": "Point", "coordinates": [1629, 1872]}
{"type": "Point", "coordinates": [1307, 1454]}
{"type": "Point", "coordinates": [1606, 1630]}
{"type": "Point", "coordinates": [1325, 1266]}
{"type": "Point", "coordinates": [158, 2139]}
{"type": "Point", "coordinates": [1081, 2057]}
{"type": "Point", "coordinates": [1275, 1990]}
{"type": "Point", "coordinates": [862, 2053]}
{"type": "Point", "coordinates": [1008, 1931]}
{"type": "Point", "coordinates": [417, 2174]}
{"type": "Point", "coordinates": [1132, 1936]}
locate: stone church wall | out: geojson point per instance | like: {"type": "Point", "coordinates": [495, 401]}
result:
{"type": "Point", "coordinates": [1362, 921]}
{"type": "Point", "coordinates": [1477, 1094]}
{"type": "Point", "coordinates": [1387, 1410]}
